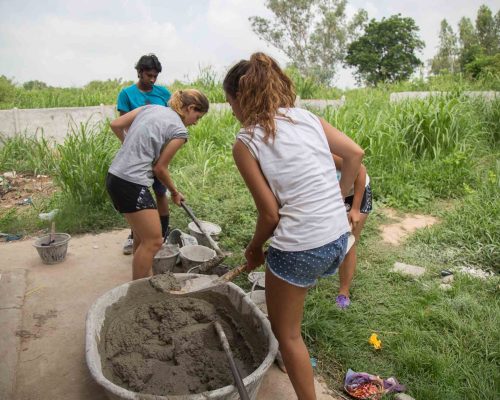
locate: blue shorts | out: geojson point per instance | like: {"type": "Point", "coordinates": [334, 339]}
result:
{"type": "Point", "coordinates": [158, 187]}
{"type": "Point", "coordinates": [303, 268]}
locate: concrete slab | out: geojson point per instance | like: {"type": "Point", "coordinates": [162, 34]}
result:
{"type": "Point", "coordinates": [51, 357]}
{"type": "Point", "coordinates": [12, 287]}
{"type": "Point", "coordinates": [408, 269]}
{"type": "Point", "coordinates": [276, 386]}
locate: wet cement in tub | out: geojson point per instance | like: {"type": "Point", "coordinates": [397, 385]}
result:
{"type": "Point", "coordinates": [161, 344]}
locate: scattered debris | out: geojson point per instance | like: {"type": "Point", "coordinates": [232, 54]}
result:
{"type": "Point", "coordinates": [25, 334]}
{"type": "Point", "coordinates": [476, 272]}
{"type": "Point", "coordinates": [375, 341]}
{"type": "Point", "coordinates": [10, 174]}
{"type": "Point", "coordinates": [402, 396]}
{"type": "Point", "coordinates": [25, 202]}
{"type": "Point", "coordinates": [42, 318]}
{"type": "Point", "coordinates": [9, 237]}
{"type": "Point", "coordinates": [30, 292]}
{"type": "Point", "coordinates": [16, 189]}
{"type": "Point", "coordinates": [408, 269]}
{"type": "Point", "coordinates": [362, 385]}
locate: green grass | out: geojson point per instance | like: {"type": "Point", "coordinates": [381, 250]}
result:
{"type": "Point", "coordinates": [441, 344]}
{"type": "Point", "coordinates": [420, 155]}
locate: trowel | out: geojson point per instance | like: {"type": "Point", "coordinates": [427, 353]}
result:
{"type": "Point", "coordinates": [192, 287]}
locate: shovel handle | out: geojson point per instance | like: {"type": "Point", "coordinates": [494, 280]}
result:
{"type": "Point", "coordinates": [212, 242]}
{"type": "Point", "coordinates": [230, 275]}
{"type": "Point", "coordinates": [232, 364]}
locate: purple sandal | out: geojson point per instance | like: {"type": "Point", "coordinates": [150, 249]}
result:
{"type": "Point", "coordinates": [342, 301]}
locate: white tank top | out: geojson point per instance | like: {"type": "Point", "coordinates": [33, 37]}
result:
{"type": "Point", "coordinates": [299, 168]}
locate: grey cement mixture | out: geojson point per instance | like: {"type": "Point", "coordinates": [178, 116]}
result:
{"type": "Point", "coordinates": [161, 344]}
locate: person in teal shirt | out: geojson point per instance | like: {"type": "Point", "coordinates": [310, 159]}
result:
{"type": "Point", "coordinates": [142, 93]}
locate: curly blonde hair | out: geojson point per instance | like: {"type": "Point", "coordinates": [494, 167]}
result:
{"type": "Point", "coordinates": [260, 87]}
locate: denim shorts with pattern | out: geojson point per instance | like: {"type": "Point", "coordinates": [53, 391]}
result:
{"type": "Point", "coordinates": [303, 268]}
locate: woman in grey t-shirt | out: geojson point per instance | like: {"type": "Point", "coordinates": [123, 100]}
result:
{"type": "Point", "coordinates": [153, 136]}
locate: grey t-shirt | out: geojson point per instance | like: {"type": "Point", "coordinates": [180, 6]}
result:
{"type": "Point", "coordinates": [149, 133]}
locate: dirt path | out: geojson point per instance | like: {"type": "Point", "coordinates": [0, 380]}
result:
{"type": "Point", "coordinates": [403, 225]}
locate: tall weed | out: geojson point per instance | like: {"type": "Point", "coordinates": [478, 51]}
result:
{"type": "Point", "coordinates": [85, 157]}
{"type": "Point", "coordinates": [26, 153]}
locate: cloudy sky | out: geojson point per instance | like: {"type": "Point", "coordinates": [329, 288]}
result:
{"type": "Point", "coordinates": [71, 42]}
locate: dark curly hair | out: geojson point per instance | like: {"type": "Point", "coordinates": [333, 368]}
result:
{"type": "Point", "coordinates": [147, 62]}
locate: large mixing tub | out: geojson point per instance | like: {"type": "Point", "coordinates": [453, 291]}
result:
{"type": "Point", "coordinates": [238, 298]}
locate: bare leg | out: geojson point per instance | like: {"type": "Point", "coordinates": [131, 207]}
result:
{"type": "Point", "coordinates": [162, 203]}
{"type": "Point", "coordinates": [348, 266]}
{"type": "Point", "coordinates": [285, 306]}
{"type": "Point", "coordinates": [146, 225]}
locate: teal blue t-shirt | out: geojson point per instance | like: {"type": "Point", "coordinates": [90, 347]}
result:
{"type": "Point", "coordinates": [131, 97]}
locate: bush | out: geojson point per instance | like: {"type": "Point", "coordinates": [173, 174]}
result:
{"type": "Point", "coordinates": [483, 66]}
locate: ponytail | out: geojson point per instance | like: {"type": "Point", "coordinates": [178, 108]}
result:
{"type": "Point", "coordinates": [181, 99]}
{"type": "Point", "coordinates": [261, 87]}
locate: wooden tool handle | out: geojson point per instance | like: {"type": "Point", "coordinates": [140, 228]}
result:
{"type": "Point", "coordinates": [212, 242]}
{"type": "Point", "coordinates": [234, 369]}
{"type": "Point", "coordinates": [230, 275]}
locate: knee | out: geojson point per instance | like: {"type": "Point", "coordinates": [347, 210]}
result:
{"type": "Point", "coordinates": [286, 337]}
{"type": "Point", "coordinates": [153, 244]}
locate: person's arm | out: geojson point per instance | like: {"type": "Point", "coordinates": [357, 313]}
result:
{"type": "Point", "coordinates": [343, 146]}
{"type": "Point", "coordinates": [359, 190]}
{"type": "Point", "coordinates": [121, 124]}
{"type": "Point", "coordinates": [160, 169]}
{"type": "Point", "coordinates": [265, 201]}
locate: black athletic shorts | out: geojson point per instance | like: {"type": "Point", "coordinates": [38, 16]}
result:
{"type": "Point", "coordinates": [128, 197]}
{"type": "Point", "coordinates": [366, 202]}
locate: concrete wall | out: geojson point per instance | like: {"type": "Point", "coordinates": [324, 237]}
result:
{"type": "Point", "coordinates": [55, 123]}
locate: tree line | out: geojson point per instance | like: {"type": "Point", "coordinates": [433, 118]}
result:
{"type": "Point", "coordinates": [318, 37]}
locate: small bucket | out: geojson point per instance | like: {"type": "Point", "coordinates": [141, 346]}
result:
{"type": "Point", "coordinates": [166, 258]}
{"type": "Point", "coordinates": [194, 255]}
{"type": "Point", "coordinates": [180, 238]}
{"type": "Point", "coordinates": [55, 252]}
{"type": "Point", "coordinates": [212, 229]}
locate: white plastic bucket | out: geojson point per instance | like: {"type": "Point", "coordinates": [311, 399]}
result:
{"type": "Point", "coordinates": [212, 229]}
{"type": "Point", "coordinates": [194, 255]}
{"type": "Point", "coordinates": [166, 258]}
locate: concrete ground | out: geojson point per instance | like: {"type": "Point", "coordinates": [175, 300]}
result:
{"type": "Point", "coordinates": [42, 315]}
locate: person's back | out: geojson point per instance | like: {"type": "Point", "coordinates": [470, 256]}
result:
{"type": "Point", "coordinates": [151, 130]}
{"type": "Point", "coordinates": [288, 168]}
{"type": "Point", "coordinates": [299, 168]}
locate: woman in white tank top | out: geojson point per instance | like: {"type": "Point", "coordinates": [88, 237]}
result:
{"type": "Point", "coordinates": [284, 155]}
